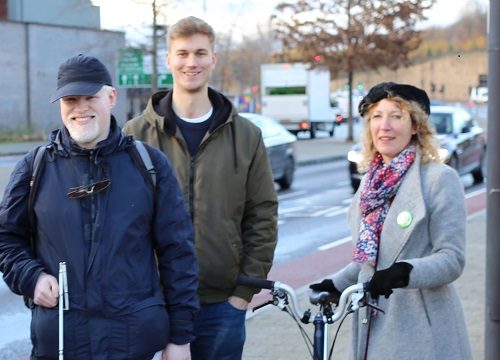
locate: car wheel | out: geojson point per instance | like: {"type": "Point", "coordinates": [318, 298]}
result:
{"type": "Point", "coordinates": [312, 131]}
{"type": "Point", "coordinates": [285, 182]}
{"type": "Point", "coordinates": [478, 174]}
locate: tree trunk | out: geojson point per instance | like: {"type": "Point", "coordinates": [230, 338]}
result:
{"type": "Point", "coordinates": [350, 135]}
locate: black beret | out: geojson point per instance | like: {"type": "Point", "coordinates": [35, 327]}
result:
{"type": "Point", "coordinates": [386, 89]}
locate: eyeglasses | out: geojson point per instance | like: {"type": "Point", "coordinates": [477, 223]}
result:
{"type": "Point", "coordinates": [86, 190]}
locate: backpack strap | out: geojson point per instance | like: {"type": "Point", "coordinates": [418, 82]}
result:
{"type": "Point", "coordinates": [36, 168]}
{"type": "Point", "coordinates": [140, 154]}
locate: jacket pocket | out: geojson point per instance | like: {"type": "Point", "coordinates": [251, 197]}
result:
{"type": "Point", "coordinates": [45, 332]}
{"type": "Point", "coordinates": [149, 331]}
{"type": "Point", "coordinates": [234, 241]}
{"type": "Point", "coordinates": [219, 257]}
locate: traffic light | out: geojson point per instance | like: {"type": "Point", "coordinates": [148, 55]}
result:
{"type": "Point", "coordinates": [360, 86]}
{"type": "Point", "coordinates": [317, 58]}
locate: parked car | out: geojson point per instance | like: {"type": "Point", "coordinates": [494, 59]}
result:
{"type": "Point", "coordinates": [279, 145]}
{"type": "Point", "coordinates": [462, 143]}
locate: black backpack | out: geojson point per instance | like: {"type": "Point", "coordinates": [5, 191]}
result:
{"type": "Point", "coordinates": [138, 152]}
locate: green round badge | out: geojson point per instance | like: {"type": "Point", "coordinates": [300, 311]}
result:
{"type": "Point", "coordinates": [404, 219]}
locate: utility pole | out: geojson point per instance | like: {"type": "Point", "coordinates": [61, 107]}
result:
{"type": "Point", "coordinates": [154, 52]}
{"type": "Point", "coordinates": [492, 315]}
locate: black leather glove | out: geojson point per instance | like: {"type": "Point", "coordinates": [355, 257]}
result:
{"type": "Point", "coordinates": [326, 285]}
{"type": "Point", "coordinates": [395, 276]}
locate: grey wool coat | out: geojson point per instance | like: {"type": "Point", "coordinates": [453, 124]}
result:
{"type": "Point", "coordinates": [425, 319]}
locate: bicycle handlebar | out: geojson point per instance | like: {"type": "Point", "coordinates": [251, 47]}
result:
{"type": "Point", "coordinates": [255, 283]}
{"type": "Point", "coordinates": [354, 293]}
{"type": "Point", "coordinates": [283, 292]}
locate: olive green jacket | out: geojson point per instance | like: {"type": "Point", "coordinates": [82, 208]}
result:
{"type": "Point", "coordinates": [229, 190]}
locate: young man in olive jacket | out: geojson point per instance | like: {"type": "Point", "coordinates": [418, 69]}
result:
{"type": "Point", "coordinates": [127, 240]}
{"type": "Point", "coordinates": [222, 167]}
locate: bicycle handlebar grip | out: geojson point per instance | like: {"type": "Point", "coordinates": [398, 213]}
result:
{"type": "Point", "coordinates": [254, 282]}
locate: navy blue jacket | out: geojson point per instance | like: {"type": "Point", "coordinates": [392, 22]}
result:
{"type": "Point", "coordinates": [132, 272]}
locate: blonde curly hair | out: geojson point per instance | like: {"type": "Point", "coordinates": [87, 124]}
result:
{"type": "Point", "coordinates": [424, 138]}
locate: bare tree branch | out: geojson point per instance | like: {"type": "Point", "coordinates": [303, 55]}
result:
{"type": "Point", "coordinates": [349, 35]}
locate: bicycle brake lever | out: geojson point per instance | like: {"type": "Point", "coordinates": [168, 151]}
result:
{"type": "Point", "coordinates": [356, 300]}
{"type": "Point", "coordinates": [306, 319]}
{"type": "Point", "coordinates": [373, 306]}
{"type": "Point", "coordinates": [268, 302]}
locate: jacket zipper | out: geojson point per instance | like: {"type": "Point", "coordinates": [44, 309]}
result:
{"type": "Point", "coordinates": [93, 213]}
{"type": "Point", "coordinates": [192, 165]}
{"type": "Point", "coordinates": [191, 187]}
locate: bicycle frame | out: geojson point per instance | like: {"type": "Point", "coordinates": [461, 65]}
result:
{"type": "Point", "coordinates": [284, 297]}
{"type": "Point", "coordinates": [320, 343]}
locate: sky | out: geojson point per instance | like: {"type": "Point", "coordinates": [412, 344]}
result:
{"type": "Point", "coordinates": [235, 16]}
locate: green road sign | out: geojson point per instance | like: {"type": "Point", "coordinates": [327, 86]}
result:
{"type": "Point", "coordinates": [132, 74]}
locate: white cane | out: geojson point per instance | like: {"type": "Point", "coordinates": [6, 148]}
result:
{"type": "Point", "coordinates": [63, 305]}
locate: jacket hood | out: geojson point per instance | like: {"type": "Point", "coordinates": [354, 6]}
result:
{"type": "Point", "coordinates": [224, 111]}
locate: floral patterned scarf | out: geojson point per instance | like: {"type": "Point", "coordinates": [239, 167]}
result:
{"type": "Point", "coordinates": [381, 185]}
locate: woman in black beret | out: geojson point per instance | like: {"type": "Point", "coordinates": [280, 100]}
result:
{"type": "Point", "coordinates": [408, 222]}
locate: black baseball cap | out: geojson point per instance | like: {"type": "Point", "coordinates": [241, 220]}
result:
{"type": "Point", "coordinates": [81, 75]}
{"type": "Point", "coordinates": [391, 89]}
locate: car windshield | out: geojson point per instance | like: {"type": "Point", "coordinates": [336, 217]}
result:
{"type": "Point", "coordinates": [442, 122]}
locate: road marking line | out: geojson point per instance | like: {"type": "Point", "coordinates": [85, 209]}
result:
{"type": "Point", "coordinates": [289, 210]}
{"type": "Point", "coordinates": [326, 211]}
{"type": "Point", "coordinates": [291, 195]}
{"type": "Point", "coordinates": [338, 212]}
{"type": "Point", "coordinates": [335, 243]}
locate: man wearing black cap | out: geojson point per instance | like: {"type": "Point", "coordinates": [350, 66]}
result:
{"type": "Point", "coordinates": [84, 81]}
{"type": "Point", "coordinates": [126, 239]}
